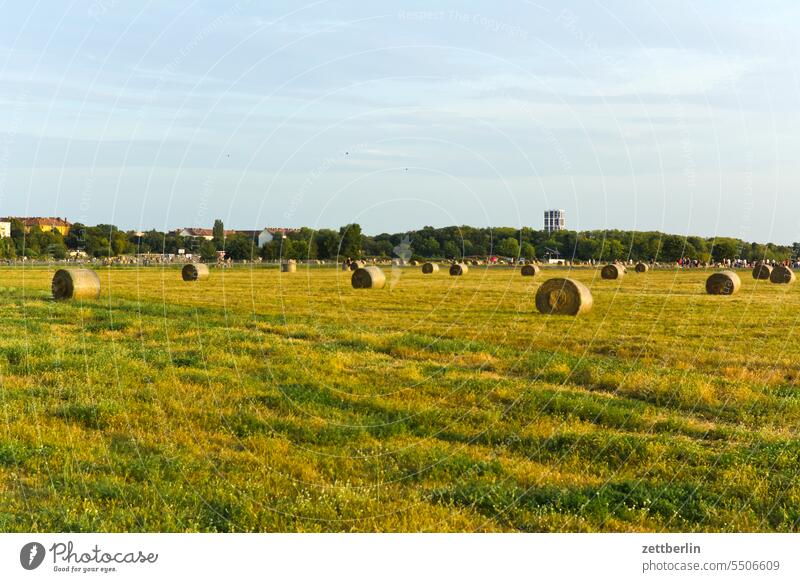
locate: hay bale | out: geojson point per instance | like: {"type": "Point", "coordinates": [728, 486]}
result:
{"type": "Point", "coordinates": [642, 267]}
{"type": "Point", "coordinates": [194, 272]}
{"type": "Point", "coordinates": [289, 267]}
{"type": "Point", "coordinates": [723, 283]}
{"type": "Point", "coordinates": [458, 269]}
{"type": "Point", "coordinates": [414, 263]}
{"type": "Point", "coordinates": [530, 270]}
{"type": "Point", "coordinates": [782, 275]}
{"type": "Point", "coordinates": [563, 297]}
{"type": "Point", "coordinates": [762, 271]}
{"type": "Point", "coordinates": [368, 278]}
{"type": "Point", "coordinates": [613, 271]}
{"type": "Point", "coordinates": [75, 284]}
{"type": "Point", "coordinates": [430, 268]}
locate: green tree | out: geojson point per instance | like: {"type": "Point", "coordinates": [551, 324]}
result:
{"type": "Point", "coordinates": [384, 248]}
{"type": "Point", "coordinates": [218, 233]}
{"type": "Point", "coordinates": [725, 248]}
{"type": "Point", "coordinates": [612, 250]}
{"type": "Point", "coordinates": [240, 247]}
{"type": "Point", "coordinates": [271, 250]}
{"type": "Point", "coordinates": [208, 250]}
{"type": "Point", "coordinates": [327, 243]}
{"type": "Point", "coordinates": [426, 246]}
{"type": "Point", "coordinates": [119, 242]}
{"type": "Point", "coordinates": [672, 247]}
{"type": "Point", "coordinates": [508, 247]}
{"type": "Point", "coordinates": [8, 249]}
{"type": "Point", "coordinates": [527, 250]}
{"type": "Point", "coordinates": [151, 241]}
{"type": "Point", "coordinates": [351, 240]}
{"type": "Point", "coordinates": [451, 250]}
{"type": "Point", "coordinates": [588, 249]}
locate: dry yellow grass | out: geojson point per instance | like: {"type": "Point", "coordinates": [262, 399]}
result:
{"type": "Point", "coordinates": [259, 401]}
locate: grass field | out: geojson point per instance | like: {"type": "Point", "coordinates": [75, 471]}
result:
{"type": "Point", "coordinates": [260, 401]}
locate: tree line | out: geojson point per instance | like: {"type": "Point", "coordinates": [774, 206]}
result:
{"type": "Point", "coordinates": [452, 243]}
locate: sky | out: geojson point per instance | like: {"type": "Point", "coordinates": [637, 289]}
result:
{"type": "Point", "coordinates": [657, 115]}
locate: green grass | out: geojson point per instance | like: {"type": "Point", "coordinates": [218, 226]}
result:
{"type": "Point", "coordinates": [259, 401]}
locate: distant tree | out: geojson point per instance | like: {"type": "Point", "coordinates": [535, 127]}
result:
{"type": "Point", "coordinates": [672, 248]}
{"type": "Point", "coordinates": [452, 242]}
{"type": "Point", "coordinates": [527, 250]}
{"type": "Point", "coordinates": [699, 244]}
{"type": "Point", "coordinates": [31, 242]}
{"type": "Point", "coordinates": [327, 243]}
{"type": "Point", "coordinates": [8, 249]}
{"type": "Point", "coordinates": [568, 243]}
{"type": "Point", "coordinates": [426, 246]}
{"type": "Point", "coordinates": [153, 242]}
{"type": "Point", "coordinates": [508, 247]}
{"type": "Point", "coordinates": [57, 251]}
{"type": "Point", "coordinates": [588, 248]}
{"type": "Point", "coordinates": [305, 244]}
{"type": "Point", "coordinates": [172, 243]}
{"type": "Point", "coordinates": [612, 250]}
{"type": "Point", "coordinates": [703, 257]}
{"type": "Point", "coordinates": [383, 248]}
{"type": "Point", "coordinates": [218, 233]}
{"type": "Point", "coordinates": [50, 244]}
{"type": "Point", "coordinates": [207, 250]}
{"type": "Point", "coordinates": [119, 242]}
{"type": "Point", "coordinates": [270, 251]}
{"type": "Point", "coordinates": [725, 248]}
{"type": "Point", "coordinates": [240, 247]}
{"type": "Point", "coordinates": [754, 252]}
{"type": "Point", "coordinates": [294, 249]}
{"type": "Point", "coordinates": [351, 240]}
{"type": "Point", "coordinates": [451, 250]}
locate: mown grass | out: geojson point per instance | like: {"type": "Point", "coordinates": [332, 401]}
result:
{"type": "Point", "coordinates": [260, 401]}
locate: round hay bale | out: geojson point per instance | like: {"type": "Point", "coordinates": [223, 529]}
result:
{"type": "Point", "coordinates": [430, 268]}
{"type": "Point", "coordinates": [458, 269]}
{"type": "Point", "coordinates": [612, 271]}
{"type": "Point", "coordinates": [642, 267]}
{"type": "Point", "coordinates": [530, 270]}
{"type": "Point", "coordinates": [782, 275]}
{"type": "Point", "coordinates": [414, 263]}
{"type": "Point", "coordinates": [762, 271]}
{"type": "Point", "coordinates": [194, 272]}
{"type": "Point", "coordinates": [75, 284]}
{"type": "Point", "coordinates": [289, 267]}
{"type": "Point", "coordinates": [368, 278]}
{"type": "Point", "coordinates": [474, 263]}
{"type": "Point", "coordinates": [563, 297]}
{"type": "Point", "coordinates": [723, 283]}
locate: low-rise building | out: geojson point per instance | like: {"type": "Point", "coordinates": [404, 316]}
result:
{"type": "Point", "coordinates": [260, 237]}
{"type": "Point", "coordinates": [45, 223]}
{"type": "Point", "coordinates": [268, 234]}
{"type": "Point", "coordinates": [204, 233]}
{"type": "Point", "coordinates": [5, 229]}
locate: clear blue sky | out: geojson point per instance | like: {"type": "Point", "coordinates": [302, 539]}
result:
{"type": "Point", "coordinates": [677, 116]}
